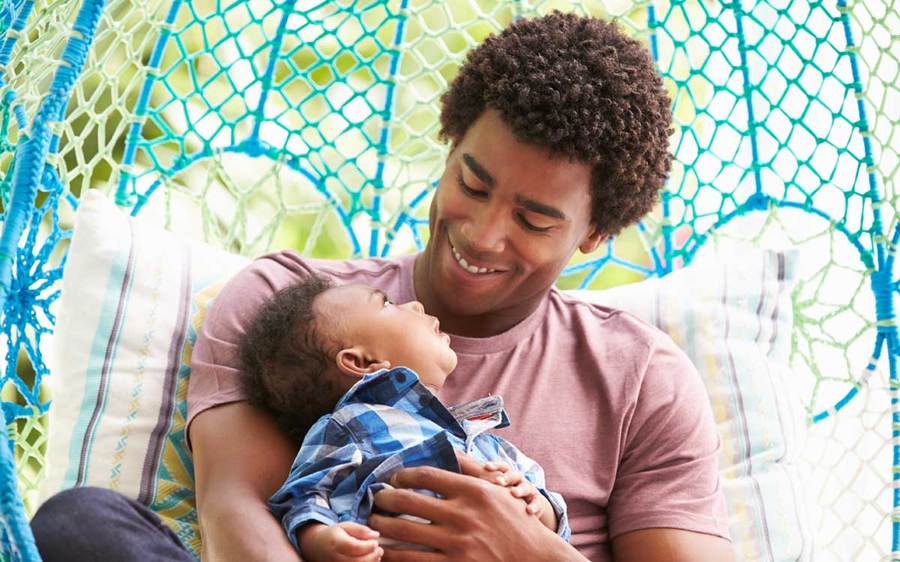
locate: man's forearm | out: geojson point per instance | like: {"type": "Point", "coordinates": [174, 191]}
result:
{"type": "Point", "coordinates": [233, 481]}
{"type": "Point", "coordinates": [559, 550]}
{"type": "Point", "coordinates": [243, 533]}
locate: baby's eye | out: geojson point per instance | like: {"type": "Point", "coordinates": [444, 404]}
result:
{"type": "Point", "coordinates": [387, 302]}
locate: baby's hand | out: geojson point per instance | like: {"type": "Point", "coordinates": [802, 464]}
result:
{"type": "Point", "coordinates": [341, 542]}
{"type": "Point", "coordinates": [519, 486]}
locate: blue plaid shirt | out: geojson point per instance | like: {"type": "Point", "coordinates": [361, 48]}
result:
{"type": "Point", "coordinates": [388, 421]}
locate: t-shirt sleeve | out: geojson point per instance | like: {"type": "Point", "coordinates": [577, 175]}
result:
{"type": "Point", "coordinates": [215, 360]}
{"type": "Point", "coordinates": [668, 474]}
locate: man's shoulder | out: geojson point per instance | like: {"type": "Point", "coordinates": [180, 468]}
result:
{"type": "Point", "coordinates": [299, 265]}
{"type": "Point", "coordinates": [272, 272]}
{"type": "Point", "coordinates": [591, 319]}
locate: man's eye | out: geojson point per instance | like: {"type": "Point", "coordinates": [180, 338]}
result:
{"type": "Point", "coordinates": [469, 191]}
{"type": "Point", "coordinates": [532, 227]}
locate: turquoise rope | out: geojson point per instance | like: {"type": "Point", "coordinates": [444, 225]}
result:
{"type": "Point", "coordinates": [748, 95]}
{"type": "Point", "coordinates": [123, 198]}
{"type": "Point", "coordinates": [384, 135]}
{"type": "Point", "coordinates": [407, 219]}
{"type": "Point", "coordinates": [33, 152]}
{"type": "Point", "coordinates": [27, 175]}
{"type": "Point", "coordinates": [863, 126]}
{"type": "Point", "coordinates": [259, 113]}
{"type": "Point", "coordinates": [857, 386]}
{"type": "Point", "coordinates": [9, 40]}
{"type": "Point", "coordinates": [886, 294]}
{"type": "Point", "coordinates": [661, 265]}
{"type": "Point", "coordinates": [762, 202]}
{"type": "Point", "coordinates": [253, 146]}
{"type": "Point", "coordinates": [882, 282]}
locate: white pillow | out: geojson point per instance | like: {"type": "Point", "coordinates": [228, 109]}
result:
{"type": "Point", "coordinates": [133, 296]}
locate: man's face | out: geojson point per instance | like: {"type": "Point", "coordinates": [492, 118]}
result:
{"type": "Point", "coordinates": [362, 319]}
{"type": "Point", "coordinates": [505, 220]}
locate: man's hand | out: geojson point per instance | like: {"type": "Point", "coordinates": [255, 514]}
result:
{"type": "Point", "coordinates": [472, 520]}
{"type": "Point", "coordinates": [342, 542]}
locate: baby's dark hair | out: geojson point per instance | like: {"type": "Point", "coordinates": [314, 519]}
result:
{"type": "Point", "coordinates": [581, 88]}
{"type": "Point", "coordinates": [285, 361]}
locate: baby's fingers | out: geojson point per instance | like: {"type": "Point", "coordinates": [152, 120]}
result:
{"type": "Point", "coordinates": [514, 478]}
{"type": "Point", "coordinates": [358, 531]}
{"type": "Point", "coordinates": [508, 478]}
{"type": "Point", "coordinates": [524, 490]}
{"type": "Point", "coordinates": [374, 556]}
{"type": "Point", "coordinates": [496, 466]}
{"type": "Point", "coordinates": [535, 505]}
{"type": "Point", "coordinates": [352, 547]}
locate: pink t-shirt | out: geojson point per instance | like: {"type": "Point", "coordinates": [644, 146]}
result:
{"type": "Point", "coordinates": [614, 412]}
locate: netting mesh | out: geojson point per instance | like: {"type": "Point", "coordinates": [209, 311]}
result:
{"type": "Point", "coordinates": [312, 125]}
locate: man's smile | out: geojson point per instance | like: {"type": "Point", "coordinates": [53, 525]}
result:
{"type": "Point", "coordinates": [470, 265]}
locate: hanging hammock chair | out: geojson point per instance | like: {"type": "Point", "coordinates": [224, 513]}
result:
{"type": "Point", "coordinates": [253, 124]}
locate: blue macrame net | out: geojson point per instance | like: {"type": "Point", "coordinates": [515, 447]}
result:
{"type": "Point", "coordinates": [261, 124]}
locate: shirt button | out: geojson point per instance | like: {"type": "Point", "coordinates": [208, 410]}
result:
{"type": "Point", "coordinates": [401, 377]}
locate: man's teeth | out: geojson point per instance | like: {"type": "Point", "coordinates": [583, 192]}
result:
{"type": "Point", "coordinates": [470, 268]}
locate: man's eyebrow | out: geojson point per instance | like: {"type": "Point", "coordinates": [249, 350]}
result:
{"type": "Point", "coordinates": [478, 170]}
{"type": "Point", "coordinates": [529, 204]}
{"type": "Point", "coordinates": [536, 207]}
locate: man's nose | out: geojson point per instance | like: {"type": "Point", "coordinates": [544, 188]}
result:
{"type": "Point", "coordinates": [486, 232]}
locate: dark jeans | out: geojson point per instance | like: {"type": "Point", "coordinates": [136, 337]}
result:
{"type": "Point", "coordinates": [86, 524]}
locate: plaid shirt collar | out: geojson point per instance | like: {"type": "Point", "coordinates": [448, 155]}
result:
{"type": "Point", "coordinates": [401, 388]}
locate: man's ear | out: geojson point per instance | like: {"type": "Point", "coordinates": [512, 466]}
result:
{"type": "Point", "coordinates": [592, 240]}
{"type": "Point", "coordinates": [454, 144]}
{"type": "Point", "coordinates": [354, 361]}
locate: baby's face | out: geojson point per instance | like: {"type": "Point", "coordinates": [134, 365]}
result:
{"type": "Point", "coordinates": [402, 334]}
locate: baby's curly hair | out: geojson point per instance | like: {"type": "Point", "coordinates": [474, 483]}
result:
{"type": "Point", "coordinates": [580, 87]}
{"type": "Point", "coordinates": [285, 363]}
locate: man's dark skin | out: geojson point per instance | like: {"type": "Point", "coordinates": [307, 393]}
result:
{"type": "Point", "coordinates": [494, 189]}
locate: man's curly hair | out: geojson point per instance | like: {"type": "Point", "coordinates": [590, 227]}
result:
{"type": "Point", "coordinates": [581, 88]}
{"type": "Point", "coordinates": [285, 362]}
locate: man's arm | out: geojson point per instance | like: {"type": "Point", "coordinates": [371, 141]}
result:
{"type": "Point", "coordinates": [240, 459]}
{"type": "Point", "coordinates": [474, 520]}
{"type": "Point", "coordinates": [670, 545]}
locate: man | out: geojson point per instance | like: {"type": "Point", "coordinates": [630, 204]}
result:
{"type": "Point", "coordinates": [559, 133]}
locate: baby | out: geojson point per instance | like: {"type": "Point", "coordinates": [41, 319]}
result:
{"type": "Point", "coordinates": [357, 375]}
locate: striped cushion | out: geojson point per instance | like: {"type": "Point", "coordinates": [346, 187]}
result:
{"type": "Point", "coordinates": [733, 318]}
{"type": "Point", "coordinates": [132, 299]}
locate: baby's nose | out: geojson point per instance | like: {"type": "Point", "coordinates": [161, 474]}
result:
{"type": "Point", "coordinates": [417, 306]}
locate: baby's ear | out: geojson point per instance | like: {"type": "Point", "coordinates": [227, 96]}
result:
{"type": "Point", "coordinates": [355, 362]}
